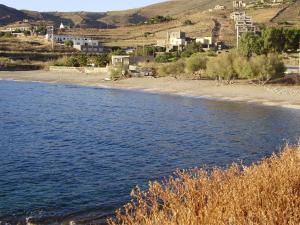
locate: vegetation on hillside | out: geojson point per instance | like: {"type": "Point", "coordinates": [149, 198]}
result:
{"type": "Point", "coordinates": [267, 192]}
{"type": "Point", "coordinates": [159, 19]}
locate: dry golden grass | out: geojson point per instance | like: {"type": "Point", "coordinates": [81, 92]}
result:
{"type": "Point", "coordinates": [267, 192]}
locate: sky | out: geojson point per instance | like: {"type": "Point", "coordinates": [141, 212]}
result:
{"type": "Point", "coordinates": [77, 5]}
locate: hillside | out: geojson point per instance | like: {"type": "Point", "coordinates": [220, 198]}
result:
{"type": "Point", "coordinates": [111, 19]}
{"type": "Point", "coordinates": [10, 15]}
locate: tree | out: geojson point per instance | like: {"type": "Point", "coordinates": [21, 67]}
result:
{"type": "Point", "coordinates": [250, 44]}
{"type": "Point", "coordinates": [41, 29]}
{"type": "Point", "coordinates": [273, 39]}
{"type": "Point", "coordinates": [192, 48]}
{"type": "Point", "coordinates": [292, 38]}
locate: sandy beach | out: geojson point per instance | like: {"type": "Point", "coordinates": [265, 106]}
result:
{"type": "Point", "coordinates": [272, 95]}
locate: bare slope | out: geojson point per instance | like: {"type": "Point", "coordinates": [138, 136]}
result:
{"type": "Point", "coordinates": [114, 18]}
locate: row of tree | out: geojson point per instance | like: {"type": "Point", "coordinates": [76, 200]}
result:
{"type": "Point", "coordinates": [270, 40]}
{"type": "Point", "coordinates": [228, 66]}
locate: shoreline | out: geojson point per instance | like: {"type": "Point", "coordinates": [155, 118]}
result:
{"type": "Point", "coordinates": [269, 95]}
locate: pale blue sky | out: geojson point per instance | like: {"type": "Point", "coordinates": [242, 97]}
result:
{"type": "Point", "coordinates": [77, 5]}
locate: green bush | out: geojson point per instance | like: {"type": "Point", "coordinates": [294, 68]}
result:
{"type": "Point", "coordinates": [265, 68]}
{"type": "Point", "coordinates": [159, 19]}
{"type": "Point", "coordinates": [173, 69]}
{"type": "Point", "coordinates": [164, 58]}
{"type": "Point", "coordinates": [187, 23]}
{"type": "Point", "coordinates": [82, 59]}
{"type": "Point", "coordinates": [233, 65]}
{"type": "Point", "coordinates": [72, 62]}
{"type": "Point", "coordinates": [6, 34]}
{"type": "Point", "coordinates": [196, 62]}
{"type": "Point", "coordinates": [243, 67]}
{"type": "Point", "coordinates": [69, 43]}
{"type": "Point", "coordinates": [221, 67]}
{"type": "Point", "coordinates": [101, 60]}
{"type": "Point", "coordinates": [191, 48]}
{"type": "Point", "coordinates": [27, 33]}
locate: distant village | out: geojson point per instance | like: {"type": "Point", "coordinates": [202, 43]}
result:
{"type": "Point", "coordinates": [174, 40]}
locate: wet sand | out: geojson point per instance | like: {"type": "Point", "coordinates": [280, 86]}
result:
{"type": "Point", "coordinates": [270, 95]}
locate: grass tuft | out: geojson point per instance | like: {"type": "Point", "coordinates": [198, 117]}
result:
{"type": "Point", "coordinates": [268, 192]}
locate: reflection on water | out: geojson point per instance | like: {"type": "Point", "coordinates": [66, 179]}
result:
{"type": "Point", "coordinates": [69, 153]}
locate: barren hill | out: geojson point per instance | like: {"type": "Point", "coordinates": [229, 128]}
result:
{"type": "Point", "coordinates": [113, 18]}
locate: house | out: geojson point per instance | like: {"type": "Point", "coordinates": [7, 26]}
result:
{"type": "Point", "coordinates": [18, 27]}
{"type": "Point", "coordinates": [126, 60]}
{"type": "Point", "coordinates": [120, 60]}
{"type": "Point", "coordinates": [205, 41]}
{"type": "Point", "coordinates": [176, 40]}
{"type": "Point", "coordinates": [236, 15]}
{"type": "Point", "coordinates": [220, 7]}
{"type": "Point", "coordinates": [239, 4]}
{"type": "Point", "coordinates": [89, 48]}
{"type": "Point", "coordinates": [77, 40]}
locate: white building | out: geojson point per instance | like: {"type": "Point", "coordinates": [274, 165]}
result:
{"type": "Point", "coordinates": [175, 39]}
{"type": "Point", "coordinates": [239, 4]}
{"type": "Point", "coordinates": [208, 41]}
{"type": "Point", "coordinates": [89, 48]}
{"type": "Point", "coordinates": [62, 26]}
{"type": "Point", "coordinates": [220, 7]}
{"type": "Point", "coordinates": [77, 40]}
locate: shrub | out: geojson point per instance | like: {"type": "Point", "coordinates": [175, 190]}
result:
{"type": "Point", "coordinates": [6, 34]}
{"type": "Point", "coordinates": [146, 34]}
{"type": "Point", "coordinates": [61, 61]}
{"type": "Point", "coordinates": [117, 73]}
{"type": "Point", "coordinates": [82, 59]}
{"type": "Point", "coordinates": [72, 62]}
{"type": "Point", "coordinates": [69, 43]}
{"type": "Point", "coordinates": [164, 58]}
{"type": "Point", "coordinates": [173, 69]}
{"type": "Point", "coordinates": [191, 48]}
{"type": "Point", "coordinates": [267, 67]}
{"type": "Point", "coordinates": [243, 67]}
{"type": "Point", "coordinates": [267, 192]}
{"type": "Point", "coordinates": [101, 60]}
{"type": "Point", "coordinates": [196, 62]}
{"type": "Point", "coordinates": [27, 33]}
{"type": "Point", "coordinates": [159, 19]}
{"type": "Point", "coordinates": [221, 67]}
{"type": "Point", "coordinates": [187, 23]}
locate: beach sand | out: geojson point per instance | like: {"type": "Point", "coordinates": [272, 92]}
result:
{"type": "Point", "coordinates": [270, 95]}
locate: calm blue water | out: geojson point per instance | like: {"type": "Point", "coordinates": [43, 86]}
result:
{"type": "Point", "coordinates": [75, 153]}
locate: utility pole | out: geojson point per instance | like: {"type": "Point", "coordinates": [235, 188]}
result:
{"type": "Point", "coordinates": [52, 36]}
{"type": "Point", "coordinates": [299, 60]}
{"type": "Point", "coordinates": [237, 37]}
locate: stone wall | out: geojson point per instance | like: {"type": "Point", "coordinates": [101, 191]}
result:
{"type": "Point", "coordinates": [87, 70]}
